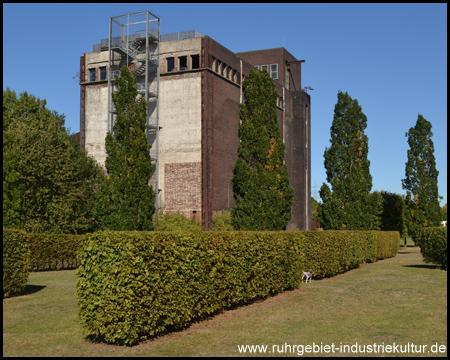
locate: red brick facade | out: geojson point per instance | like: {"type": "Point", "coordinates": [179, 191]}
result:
{"type": "Point", "coordinates": [183, 186]}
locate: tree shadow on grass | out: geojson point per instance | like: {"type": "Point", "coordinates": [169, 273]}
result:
{"type": "Point", "coordinates": [29, 289]}
{"type": "Point", "coordinates": [422, 266]}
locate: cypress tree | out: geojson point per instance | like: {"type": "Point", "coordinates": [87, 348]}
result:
{"type": "Point", "coordinates": [420, 180]}
{"type": "Point", "coordinates": [260, 178]}
{"type": "Point", "coordinates": [348, 205]}
{"type": "Point", "coordinates": [125, 200]}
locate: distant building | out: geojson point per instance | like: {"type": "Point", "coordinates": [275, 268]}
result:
{"type": "Point", "coordinates": [199, 89]}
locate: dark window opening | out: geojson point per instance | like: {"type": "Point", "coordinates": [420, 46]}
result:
{"type": "Point", "coordinates": [103, 73]}
{"type": "Point", "coordinates": [91, 74]}
{"type": "Point", "coordinates": [183, 62]}
{"type": "Point", "coordinates": [170, 64]}
{"type": "Point", "coordinates": [195, 61]}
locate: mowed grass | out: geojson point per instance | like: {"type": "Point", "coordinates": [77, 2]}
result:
{"type": "Point", "coordinates": [394, 301]}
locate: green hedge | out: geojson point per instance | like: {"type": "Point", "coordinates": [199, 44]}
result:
{"type": "Point", "coordinates": [332, 252]}
{"type": "Point", "coordinates": [133, 285]}
{"type": "Point", "coordinates": [16, 259]}
{"type": "Point", "coordinates": [433, 245]}
{"type": "Point", "coordinates": [54, 252]}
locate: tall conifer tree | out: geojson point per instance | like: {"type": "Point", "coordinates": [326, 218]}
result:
{"type": "Point", "coordinates": [261, 180]}
{"type": "Point", "coordinates": [349, 204]}
{"type": "Point", "coordinates": [422, 196]}
{"type": "Point", "coordinates": [125, 200]}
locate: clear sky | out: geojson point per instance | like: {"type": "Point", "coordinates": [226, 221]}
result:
{"type": "Point", "coordinates": [392, 58]}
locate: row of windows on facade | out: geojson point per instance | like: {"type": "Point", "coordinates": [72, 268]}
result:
{"type": "Point", "coordinates": [222, 69]}
{"type": "Point", "coordinates": [217, 66]}
{"type": "Point", "coordinates": [93, 73]}
{"type": "Point", "coordinates": [273, 71]}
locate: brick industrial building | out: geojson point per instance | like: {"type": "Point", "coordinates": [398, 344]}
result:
{"type": "Point", "coordinates": [193, 91]}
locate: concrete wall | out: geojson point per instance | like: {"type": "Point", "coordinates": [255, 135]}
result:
{"type": "Point", "coordinates": [180, 137]}
{"type": "Point", "coordinates": [95, 106]}
{"type": "Point", "coordinates": [180, 143]}
{"type": "Point", "coordinates": [96, 118]}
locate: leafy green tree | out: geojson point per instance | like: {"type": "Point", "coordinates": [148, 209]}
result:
{"type": "Point", "coordinates": [125, 200]}
{"type": "Point", "coordinates": [260, 177]}
{"type": "Point", "coordinates": [444, 212]}
{"type": "Point", "coordinates": [43, 187]}
{"type": "Point", "coordinates": [348, 204]}
{"type": "Point", "coordinates": [420, 180]}
{"type": "Point", "coordinates": [175, 222]}
{"type": "Point", "coordinates": [222, 221]}
{"type": "Point", "coordinates": [392, 212]}
{"type": "Point", "coordinates": [316, 209]}
{"type": "Point", "coordinates": [378, 200]}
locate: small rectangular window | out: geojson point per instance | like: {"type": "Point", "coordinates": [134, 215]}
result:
{"type": "Point", "coordinates": [170, 64]}
{"type": "Point", "coordinates": [256, 67]}
{"type": "Point", "coordinates": [274, 71]}
{"type": "Point", "coordinates": [103, 73]}
{"type": "Point", "coordinates": [265, 67]}
{"type": "Point", "coordinates": [195, 61]}
{"type": "Point", "coordinates": [183, 62]}
{"type": "Point", "coordinates": [91, 74]}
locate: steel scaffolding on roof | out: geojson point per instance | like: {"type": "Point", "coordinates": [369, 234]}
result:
{"type": "Point", "coordinates": [134, 41]}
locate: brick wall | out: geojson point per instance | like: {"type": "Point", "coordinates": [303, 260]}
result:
{"type": "Point", "coordinates": [183, 186]}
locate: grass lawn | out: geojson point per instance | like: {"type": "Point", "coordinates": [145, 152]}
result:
{"type": "Point", "coordinates": [399, 300]}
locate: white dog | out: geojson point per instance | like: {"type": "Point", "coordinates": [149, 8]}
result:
{"type": "Point", "coordinates": [307, 275]}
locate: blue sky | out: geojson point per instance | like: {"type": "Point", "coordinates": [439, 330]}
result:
{"type": "Point", "coordinates": [392, 58]}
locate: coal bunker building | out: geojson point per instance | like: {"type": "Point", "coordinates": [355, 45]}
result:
{"type": "Point", "coordinates": [193, 88]}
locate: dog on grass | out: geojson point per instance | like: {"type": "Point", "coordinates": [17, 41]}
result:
{"type": "Point", "coordinates": [307, 275]}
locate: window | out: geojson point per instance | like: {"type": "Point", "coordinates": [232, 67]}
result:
{"type": "Point", "coordinates": [183, 63]}
{"type": "Point", "coordinates": [265, 67]}
{"type": "Point", "coordinates": [256, 67]}
{"type": "Point", "coordinates": [274, 71]}
{"type": "Point", "coordinates": [195, 61]}
{"type": "Point", "coordinates": [170, 64]}
{"type": "Point", "coordinates": [91, 74]}
{"type": "Point", "coordinates": [103, 73]}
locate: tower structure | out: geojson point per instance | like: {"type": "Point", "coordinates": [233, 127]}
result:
{"type": "Point", "coordinates": [134, 41]}
{"type": "Point", "coordinates": [193, 86]}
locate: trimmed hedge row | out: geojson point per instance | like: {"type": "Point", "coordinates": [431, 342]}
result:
{"type": "Point", "coordinates": [16, 260]}
{"type": "Point", "coordinates": [433, 245]}
{"type": "Point", "coordinates": [135, 285]}
{"type": "Point", "coordinates": [54, 252]}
